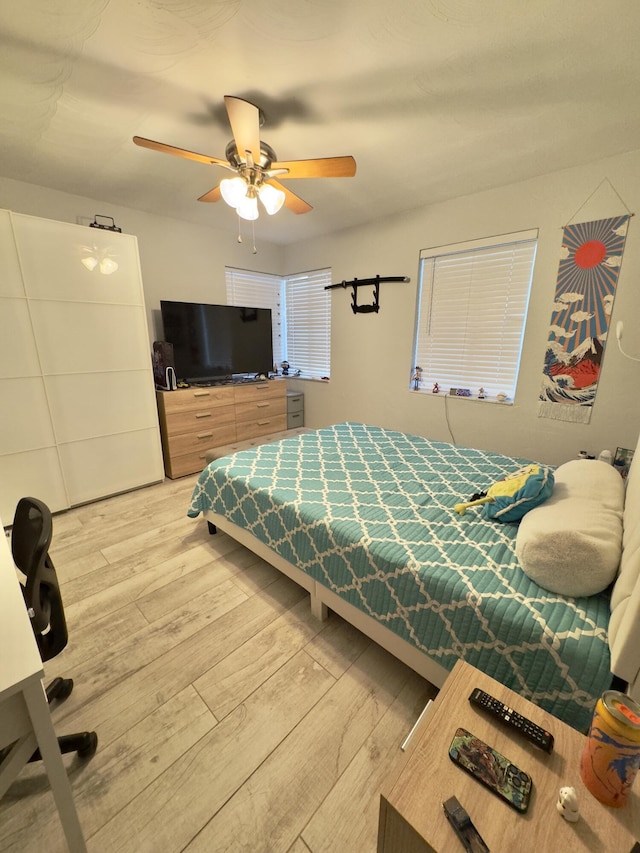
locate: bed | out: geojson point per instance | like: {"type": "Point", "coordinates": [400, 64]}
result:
{"type": "Point", "coordinates": [362, 517]}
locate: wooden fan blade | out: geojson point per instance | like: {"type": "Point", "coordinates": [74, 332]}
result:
{"type": "Point", "coordinates": [244, 119]}
{"type": "Point", "coordinates": [181, 152]}
{"type": "Point", "coordinates": [323, 167]}
{"type": "Point", "coordinates": [291, 200]}
{"type": "Point", "coordinates": [212, 195]}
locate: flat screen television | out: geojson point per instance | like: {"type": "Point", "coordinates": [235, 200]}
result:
{"type": "Point", "coordinates": [214, 343]}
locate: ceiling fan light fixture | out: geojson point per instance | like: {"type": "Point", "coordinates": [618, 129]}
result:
{"type": "Point", "coordinates": [233, 190]}
{"type": "Point", "coordinates": [271, 197]}
{"type": "Point", "coordinates": [248, 207]}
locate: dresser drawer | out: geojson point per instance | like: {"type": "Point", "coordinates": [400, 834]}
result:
{"type": "Point", "coordinates": [199, 420]}
{"type": "Point", "coordinates": [188, 399]}
{"type": "Point", "coordinates": [255, 391]}
{"type": "Point", "coordinates": [295, 401]}
{"type": "Point", "coordinates": [188, 463]}
{"type": "Point", "coordinates": [260, 426]}
{"type": "Point", "coordinates": [209, 436]}
{"type": "Point", "coordinates": [295, 419]}
{"type": "Point", "coordinates": [264, 408]}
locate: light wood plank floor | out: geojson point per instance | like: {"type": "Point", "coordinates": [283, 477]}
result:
{"type": "Point", "coordinates": [229, 719]}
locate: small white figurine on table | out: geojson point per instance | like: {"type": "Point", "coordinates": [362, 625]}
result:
{"type": "Point", "coordinates": [567, 804]}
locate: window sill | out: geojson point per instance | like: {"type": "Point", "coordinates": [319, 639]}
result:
{"type": "Point", "coordinates": [508, 401]}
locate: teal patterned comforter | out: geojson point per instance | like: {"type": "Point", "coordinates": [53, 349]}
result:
{"type": "Point", "coordinates": [368, 512]}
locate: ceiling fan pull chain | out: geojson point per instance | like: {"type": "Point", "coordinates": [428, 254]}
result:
{"type": "Point", "coordinates": [253, 228]}
{"type": "Point", "coordinates": [239, 230]}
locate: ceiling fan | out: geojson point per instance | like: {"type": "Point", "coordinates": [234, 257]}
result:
{"type": "Point", "coordinates": [257, 170]}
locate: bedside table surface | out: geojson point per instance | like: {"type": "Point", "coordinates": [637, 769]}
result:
{"type": "Point", "coordinates": [411, 815]}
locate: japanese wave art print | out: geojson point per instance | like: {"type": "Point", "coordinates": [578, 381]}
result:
{"type": "Point", "coordinates": [587, 278]}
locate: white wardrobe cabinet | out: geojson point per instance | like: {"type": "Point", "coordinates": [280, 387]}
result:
{"type": "Point", "coordinates": [29, 460]}
{"type": "Point", "coordinates": [79, 417]}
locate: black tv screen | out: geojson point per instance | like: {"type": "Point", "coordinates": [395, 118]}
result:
{"type": "Point", "coordinates": [217, 342]}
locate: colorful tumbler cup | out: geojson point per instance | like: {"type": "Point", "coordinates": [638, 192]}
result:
{"type": "Point", "coordinates": [611, 755]}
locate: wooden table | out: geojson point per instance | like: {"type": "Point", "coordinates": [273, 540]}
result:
{"type": "Point", "coordinates": [411, 815]}
{"type": "Point", "coordinates": [24, 710]}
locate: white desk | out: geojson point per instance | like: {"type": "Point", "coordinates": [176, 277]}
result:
{"type": "Point", "coordinates": [24, 710]}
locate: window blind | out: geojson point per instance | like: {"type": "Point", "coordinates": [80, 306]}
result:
{"type": "Point", "coordinates": [259, 290]}
{"type": "Point", "coordinates": [301, 312]}
{"type": "Point", "coordinates": [472, 308]}
{"type": "Point", "coordinates": [308, 323]}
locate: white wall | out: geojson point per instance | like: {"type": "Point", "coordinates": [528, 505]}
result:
{"type": "Point", "coordinates": [371, 357]}
{"type": "Point", "coordinates": [179, 260]}
{"type": "Point", "coordinates": [371, 353]}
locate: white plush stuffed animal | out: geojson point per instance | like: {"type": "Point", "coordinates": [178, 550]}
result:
{"type": "Point", "coordinates": [567, 804]}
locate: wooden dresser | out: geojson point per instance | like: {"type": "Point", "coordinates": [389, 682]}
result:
{"type": "Point", "coordinates": [193, 420]}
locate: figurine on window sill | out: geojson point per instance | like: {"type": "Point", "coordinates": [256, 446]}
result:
{"type": "Point", "coordinates": [417, 378]}
{"type": "Point", "coordinates": [435, 389]}
{"type": "Point", "coordinates": [285, 368]}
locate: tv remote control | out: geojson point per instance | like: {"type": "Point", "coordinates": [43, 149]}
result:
{"type": "Point", "coordinates": [528, 729]}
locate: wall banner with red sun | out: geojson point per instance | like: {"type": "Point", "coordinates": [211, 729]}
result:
{"type": "Point", "coordinates": [585, 290]}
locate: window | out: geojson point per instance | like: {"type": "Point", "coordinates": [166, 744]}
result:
{"type": "Point", "coordinates": [472, 307]}
{"type": "Point", "coordinates": [308, 323]}
{"type": "Point", "coordinates": [258, 290]}
{"type": "Point", "coordinates": [301, 312]}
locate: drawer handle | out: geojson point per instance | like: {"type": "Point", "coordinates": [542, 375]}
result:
{"type": "Point", "coordinates": [262, 405]}
{"type": "Point", "coordinates": [202, 393]}
{"type": "Point", "coordinates": [415, 725]}
{"type": "Point", "coordinates": [263, 423]}
{"type": "Point", "coordinates": [203, 415]}
{"type": "Point", "coordinates": [205, 435]}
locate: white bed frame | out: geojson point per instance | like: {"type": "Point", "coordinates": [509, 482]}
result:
{"type": "Point", "coordinates": [624, 626]}
{"type": "Point", "coordinates": [324, 599]}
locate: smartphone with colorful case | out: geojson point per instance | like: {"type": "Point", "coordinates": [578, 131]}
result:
{"type": "Point", "coordinates": [491, 769]}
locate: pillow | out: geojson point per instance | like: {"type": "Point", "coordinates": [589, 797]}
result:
{"type": "Point", "coordinates": [572, 544]}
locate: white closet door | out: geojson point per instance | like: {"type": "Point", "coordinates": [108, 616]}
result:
{"type": "Point", "coordinates": [29, 461]}
{"type": "Point", "coordinates": [110, 464]}
{"type": "Point", "coordinates": [27, 425]}
{"type": "Point", "coordinates": [51, 256]}
{"type": "Point", "coordinates": [77, 338]}
{"type": "Point", "coordinates": [18, 352]}
{"type": "Point", "coordinates": [36, 474]}
{"type": "Point", "coordinates": [94, 352]}
{"type": "Point", "coordinates": [93, 404]}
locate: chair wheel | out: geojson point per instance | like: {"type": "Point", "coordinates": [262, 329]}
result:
{"type": "Point", "coordinates": [65, 690]}
{"type": "Point", "coordinates": [59, 689]}
{"type": "Point", "coordinates": [89, 748]}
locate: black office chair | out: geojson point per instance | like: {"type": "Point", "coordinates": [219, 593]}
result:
{"type": "Point", "coordinates": [30, 540]}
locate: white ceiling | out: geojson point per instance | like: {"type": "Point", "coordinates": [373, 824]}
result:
{"type": "Point", "coordinates": [434, 98]}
